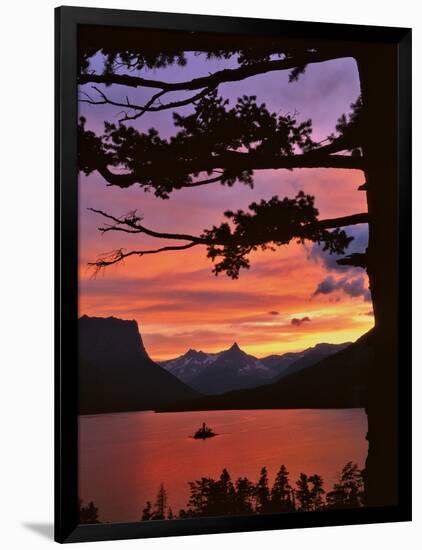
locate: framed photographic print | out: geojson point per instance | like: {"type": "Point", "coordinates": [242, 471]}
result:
{"type": "Point", "coordinates": [232, 274]}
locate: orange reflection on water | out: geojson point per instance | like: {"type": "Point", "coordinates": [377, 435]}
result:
{"type": "Point", "coordinates": [124, 457]}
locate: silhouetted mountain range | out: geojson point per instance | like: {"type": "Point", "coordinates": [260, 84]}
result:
{"type": "Point", "coordinates": [115, 372]}
{"type": "Point", "coordinates": [233, 369]}
{"type": "Point", "coordinates": [289, 363]}
{"type": "Point", "coordinates": [213, 373]}
{"type": "Point", "coordinates": [338, 381]}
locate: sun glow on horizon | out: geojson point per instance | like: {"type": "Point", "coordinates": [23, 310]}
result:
{"type": "Point", "coordinates": [288, 300]}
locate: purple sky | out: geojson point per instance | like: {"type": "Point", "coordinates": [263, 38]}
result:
{"type": "Point", "coordinates": [174, 297]}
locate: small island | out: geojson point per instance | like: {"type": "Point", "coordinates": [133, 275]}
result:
{"type": "Point", "coordinates": [204, 433]}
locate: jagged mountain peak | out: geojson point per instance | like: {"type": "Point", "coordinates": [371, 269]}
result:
{"type": "Point", "coordinates": [192, 353]}
{"type": "Point", "coordinates": [234, 348]}
{"type": "Point", "coordinates": [233, 368]}
{"type": "Point", "coordinates": [230, 368]}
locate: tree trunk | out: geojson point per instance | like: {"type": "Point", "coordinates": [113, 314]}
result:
{"type": "Point", "coordinates": [377, 71]}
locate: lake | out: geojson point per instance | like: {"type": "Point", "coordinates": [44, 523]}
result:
{"type": "Point", "coordinates": [124, 457]}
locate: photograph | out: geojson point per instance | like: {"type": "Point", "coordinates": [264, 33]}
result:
{"type": "Point", "coordinates": [237, 285]}
{"type": "Point", "coordinates": [210, 238]}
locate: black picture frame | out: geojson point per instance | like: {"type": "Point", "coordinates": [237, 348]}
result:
{"type": "Point", "coordinates": [67, 20]}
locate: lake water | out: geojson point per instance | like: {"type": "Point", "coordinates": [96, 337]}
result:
{"type": "Point", "coordinates": [124, 457]}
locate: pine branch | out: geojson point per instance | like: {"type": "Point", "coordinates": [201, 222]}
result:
{"type": "Point", "coordinates": [233, 160]}
{"type": "Point", "coordinates": [239, 244]}
{"type": "Point", "coordinates": [148, 107]}
{"type": "Point", "coordinates": [213, 80]}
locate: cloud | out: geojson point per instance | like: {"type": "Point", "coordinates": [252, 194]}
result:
{"type": "Point", "coordinates": [351, 287]}
{"type": "Point", "coordinates": [329, 261]}
{"type": "Point", "coordinates": [298, 322]}
{"type": "Point", "coordinates": [165, 346]}
{"type": "Point", "coordinates": [356, 287]}
{"type": "Point", "coordinates": [327, 286]}
{"type": "Point", "coordinates": [273, 313]}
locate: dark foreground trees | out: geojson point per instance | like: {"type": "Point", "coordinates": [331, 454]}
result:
{"type": "Point", "coordinates": [220, 497]}
{"type": "Point", "coordinates": [282, 495]}
{"type": "Point", "coordinates": [348, 491]}
{"type": "Point", "coordinates": [160, 510]}
{"type": "Point", "coordinates": [217, 143]}
{"type": "Point", "coordinates": [88, 513]}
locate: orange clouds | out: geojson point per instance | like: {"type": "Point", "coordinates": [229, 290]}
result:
{"type": "Point", "coordinates": [183, 307]}
{"type": "Point", "coordinates": [175, 298]}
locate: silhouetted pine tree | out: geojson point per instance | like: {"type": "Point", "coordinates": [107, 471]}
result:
{"type": "Point", "coordinates": [211, 498]}
{"type": "Point", "coordinates": [348, 491]}
{"type": "Point", "coordinates": [226, 494]}
{"type": "Point", "coordinates": [303, 494]}
{"type": "Point", "coordinates": [281, 492]}
{"type": "Point", "coordinates": [160, 506]}
{"type": "Point", "coordinates": [160, 510]}
{"type": "Point", "coordinates": [88, 514]}
{"type": "Point", "coordinates": [317, 492]}
{"type": "Point", "coordinates": [147, 512]}
{"type": "Point", "coordinates": [198, 503]}
{"type": "Point", "coordinates": [244, 497]}
{"type": "Point", "coordinates": [262, 493]}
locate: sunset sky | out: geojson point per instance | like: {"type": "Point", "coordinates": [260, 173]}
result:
{"type": "Point", "coordinates": [290, 299]}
